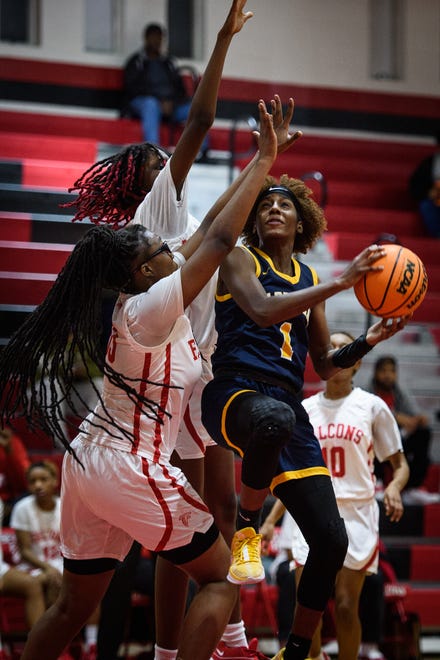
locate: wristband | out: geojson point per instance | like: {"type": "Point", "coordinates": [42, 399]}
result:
{"type": "Point", "coordinates": [347, 356]}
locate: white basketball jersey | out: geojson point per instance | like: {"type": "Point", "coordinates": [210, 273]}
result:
{"type": "Point", "coordinates": [43, 526]}
{"type": "Point", "coordinates": [173, 365]}
{"type": "Point", "coordinates": [168, 217]}
{"type": "Point", "coordinates": [351, 431]}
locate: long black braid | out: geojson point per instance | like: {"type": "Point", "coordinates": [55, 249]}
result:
{"type": "Point", "coordinates": [111, 189]}
{"type": "Point", "coordinates": [37, 365]}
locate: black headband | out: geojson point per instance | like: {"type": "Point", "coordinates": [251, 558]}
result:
{"type": "Point", "coordinates": [281, 190]}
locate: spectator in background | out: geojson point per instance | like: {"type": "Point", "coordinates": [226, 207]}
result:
{"type": "Point", "coordinates": [14, 461]}
{"type": "Point", "coordinates": [352, 426]}
{"type": "Point", "coordinates": [413, 426]}
{"type": "Point", "coordinates": [18, 583]}
{"type": "Point", "coordinates": [424, 186]}
{"type": "Point", "coordinates": [36, 521]}
{"type": "Point", "coordinates": [153, 87]}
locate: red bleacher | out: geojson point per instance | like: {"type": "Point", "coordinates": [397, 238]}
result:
{"type": "Point", "coordinates": [425, 563]}
{"type": "Point", "coordinates": [426, 602]}
{"type": "Point", "coordinates": [24, 288]}
{"type": "Point", "coordinates": [61, 174]}
{"type": "Point", "coordinates": [345, 245]}
{"type": "Point", "coordinates": [40, 142]}
{"type": "Point", "coordinates": [346, 218]}
{"type": "Point", "coordinates": [431, 520]}
{"type": "Point", "coordinates": [21, 256]}
{"type": "Point", "coordinates": [15, 226]}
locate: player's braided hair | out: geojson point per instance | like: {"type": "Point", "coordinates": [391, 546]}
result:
{"type": "Point", "coordinates": [312, 215]}
{"type": "Point", "coordinates": [111, 189]}
{"type": "Point", "coordinates": [37, 365]}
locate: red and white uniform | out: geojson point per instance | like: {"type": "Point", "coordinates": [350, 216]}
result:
{"type": "Point", "coordinates": [351, 431]}
{"type": "Point", "coordinates": [130, 490]}
{"type": "Point", "coordinates": [167, 216]}
{"type": "Point", "coordinates": [44, 528]}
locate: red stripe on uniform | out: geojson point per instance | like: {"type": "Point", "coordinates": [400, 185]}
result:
{"type": "Point", "coordinates": [192, 430]}
{"type": "Point", "coordinates": [182, 492]}
{"type": "Point", "coordinates": [163, 505]}
{"type": "Point", "coordinates": [372, 558]}
{"type": "Point", "coordinates": [137, 411]}
{"type": "Point", "coordinates": [163, 403]}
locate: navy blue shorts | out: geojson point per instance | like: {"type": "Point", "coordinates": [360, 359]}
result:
{"type": "Point", "coordinates": [301, 457]}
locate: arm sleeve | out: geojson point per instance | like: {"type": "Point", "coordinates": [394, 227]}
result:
{"type": "Point", "coordinates": [348, 355]}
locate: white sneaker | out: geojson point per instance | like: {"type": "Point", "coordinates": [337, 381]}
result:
{"type": "Point", "coordinates": [419, 496]}
{"type": "Point", "coordinates": [369, 651]}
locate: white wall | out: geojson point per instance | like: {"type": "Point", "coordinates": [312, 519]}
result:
{"type": "Point", "coordinates": [316, 42]}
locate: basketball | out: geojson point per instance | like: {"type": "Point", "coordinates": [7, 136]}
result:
{"type": "Point", "coordinates": [398, 289]}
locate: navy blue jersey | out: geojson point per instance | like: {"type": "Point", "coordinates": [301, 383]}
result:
{"type": "Point", "coordinates": [278, 351]}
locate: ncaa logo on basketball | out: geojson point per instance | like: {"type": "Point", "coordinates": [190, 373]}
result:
{"type": "Point", "coordinates": [397, 288]}
{"type": "Point", "coordinates": [408, 276]}
{"type": "Point", "coordinates": [421, 292]}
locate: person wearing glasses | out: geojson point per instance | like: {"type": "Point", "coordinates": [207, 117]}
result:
{"type": "Point", "coordinates": [141, 184]}
{"type": "Point", "coordinates": [118, 484]}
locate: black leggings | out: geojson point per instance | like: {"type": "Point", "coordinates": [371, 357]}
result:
{"type": "Point", "coordinates": [312, 503]}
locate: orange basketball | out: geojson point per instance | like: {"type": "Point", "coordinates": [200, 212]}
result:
{"type": "Point", "coordinates": [398, 289]}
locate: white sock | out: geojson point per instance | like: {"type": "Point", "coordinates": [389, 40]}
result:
{"type": "Point", "coordinates": [91, 635]}
{"type": "Point", "coordinates": [235, 635]}
{"type": "Point", "coordinates": [164, 654]}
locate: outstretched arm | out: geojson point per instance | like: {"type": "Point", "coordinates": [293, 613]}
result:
{"type": "Point", "coordinates": [284, 141]}
{"type": "Point", "coordinates": [204, 103]}
{"type": "Point", "coordinates": [219, 236]}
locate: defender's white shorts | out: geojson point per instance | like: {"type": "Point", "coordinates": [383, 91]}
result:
{"type": "Point", "coordinates": [119, 497]}
{"type": "Point", "coordinates": [193, 438]}
{"type": "Point", "coordinates": [362, 524]}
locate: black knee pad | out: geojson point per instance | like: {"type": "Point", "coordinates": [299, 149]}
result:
{"type": "Point", "coordinates": [271, 422]}
{"type": "Point", "coordinates": [269, 425]}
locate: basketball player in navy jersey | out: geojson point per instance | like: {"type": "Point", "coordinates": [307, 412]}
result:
{"type": "Point", "coordinates": [269, 313]}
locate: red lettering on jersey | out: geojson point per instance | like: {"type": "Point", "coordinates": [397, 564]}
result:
{"type": "Point", "coordinates": [339, 431]}
{"type": "Point", "coordinates": [111, 346]}
{"type": "Point", "coordinates": [194, 350]}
